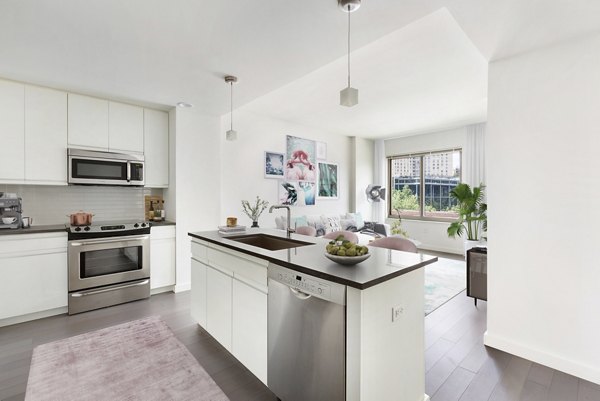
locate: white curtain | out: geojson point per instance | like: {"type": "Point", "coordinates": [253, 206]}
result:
{"type": "Point", "coordinates": [380, 178]}
{"type": "Point", "coordinates": [474, 155]}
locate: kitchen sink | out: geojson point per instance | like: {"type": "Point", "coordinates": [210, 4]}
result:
{"type": "Point", "coordinates": [269, 242]}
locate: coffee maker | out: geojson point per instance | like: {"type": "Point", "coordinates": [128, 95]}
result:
{"type": "Point", "coordinates": [11, 211]}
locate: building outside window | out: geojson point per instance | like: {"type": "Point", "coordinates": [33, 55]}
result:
{"type": "Point", "coordinates": [421, 184]}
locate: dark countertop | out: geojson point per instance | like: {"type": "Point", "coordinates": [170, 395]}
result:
{"type": "Point", "coordinates": [383, 265]}
{"type": "Point", "coordinates": [161, 223]}
{"type": "Point", "coordinates": [53, 228]}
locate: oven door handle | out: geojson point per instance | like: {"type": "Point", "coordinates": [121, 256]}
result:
{"type": "Point", "coordinates": [108, 241]}
{"type": "Point", "coordinates": [94, 292]}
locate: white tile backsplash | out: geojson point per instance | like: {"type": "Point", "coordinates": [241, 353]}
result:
{"type": "Point", "coordinates": [52, 204]}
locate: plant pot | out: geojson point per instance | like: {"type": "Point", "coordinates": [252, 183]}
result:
{"type": "Point", "coordinates": [468, 244]}
{"type": "Point", "coordinates": [254, 224]}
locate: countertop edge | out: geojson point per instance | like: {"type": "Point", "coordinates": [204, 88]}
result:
{"type": "Point", "coordinates": [54, 228]}
{"type": "Point", "coordinates": [316, 273]}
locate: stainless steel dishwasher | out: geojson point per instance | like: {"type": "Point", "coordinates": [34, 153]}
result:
{"type": "Point", "coordinates": [306, 337]}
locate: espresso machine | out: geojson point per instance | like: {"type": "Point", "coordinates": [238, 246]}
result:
{"type": "Point", "coordinates": [11, 211]}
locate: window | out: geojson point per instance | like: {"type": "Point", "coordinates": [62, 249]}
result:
{"type": "Point", "coordinates": [421, 184]}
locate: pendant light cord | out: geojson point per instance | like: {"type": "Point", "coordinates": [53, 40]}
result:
{"type": "Point", "coordinates": [231, 106]}
{"type": "Point", "coordinates": [348, 45]}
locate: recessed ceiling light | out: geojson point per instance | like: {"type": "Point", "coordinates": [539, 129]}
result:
{"type": "Point", "coordinates": [184, 105]}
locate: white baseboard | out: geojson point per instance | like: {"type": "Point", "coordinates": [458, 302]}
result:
{"type": "Point", "coordinates": [181, 287]}
{"type": "Point", "coordinates": [32, 316]}
{"type": "Point", "coordinates": [425, 247]}
{"type": "Point", "coordinates": [169, 288]}
{"type": "Point", "coordinates": [586, 372]}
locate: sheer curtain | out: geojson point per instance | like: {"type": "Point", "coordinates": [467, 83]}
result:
{"type": "Point", "coordinates": [380, 178]}
{"type": "Point", "coordinates": [474, 155]}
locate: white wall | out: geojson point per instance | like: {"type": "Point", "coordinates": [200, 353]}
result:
{"type": "Point", "coordinates": [431, 234]}
{"type": "Point", "coordinates": [362, 176]}
{"type": "Point", "coordinates": [242, 173]}
{"type": "Point", "coordinates": [197, 185]}
{"type": "Point", "coordinates": [544, 197]}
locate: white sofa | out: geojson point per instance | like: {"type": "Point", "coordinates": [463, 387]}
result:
{"type": "Point", "coordinates": [328, 223]}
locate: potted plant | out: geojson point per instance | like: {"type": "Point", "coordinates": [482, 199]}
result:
{"type": "Point", "coordinates": [472, 214]}
{"type": "Point", "coordinates": [254, 211]}
{"type": "Point", "coordinates": [396, 227]}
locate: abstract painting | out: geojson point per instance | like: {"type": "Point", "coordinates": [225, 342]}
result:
{"type": "Point", "coordinates": [328, 181]}
{"type": "Point", "coordinates": [300, 193]}
{"type": "Point", "coordinates": [273, 165]}
{"type": "Point", "coordinates": [301, 160]}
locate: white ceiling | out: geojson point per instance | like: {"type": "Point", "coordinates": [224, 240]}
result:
{"type": "Point", "coordinates": [162, 52]}
{"type": "Point", "coordinates": [425, 76]}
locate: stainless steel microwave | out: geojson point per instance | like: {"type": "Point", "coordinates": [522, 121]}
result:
{"type": "Point", "coordinates": [105, 168]}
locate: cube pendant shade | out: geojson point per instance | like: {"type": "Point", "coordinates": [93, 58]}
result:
{"type": "Point", "coordinates": [349, 97]}
{"type": "Point", "coordinates": [231, 135]}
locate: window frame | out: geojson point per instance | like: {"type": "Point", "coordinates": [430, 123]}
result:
{"type": "Point", "coordinates": [421, 155]}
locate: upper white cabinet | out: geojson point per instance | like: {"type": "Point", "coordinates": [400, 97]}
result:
{"type": "Point", "coordinates": [12, 131]}
{"type": "Point", "coordinates": [102, 125]}
{"type": "Point", "coordinates": [88, 122]}
{"type": "Point", "coordinates": [45, 136]}
{"type": "Point", "coordinates": [125, 128]}
{"type": "Point", "coordinates": [156, 148]}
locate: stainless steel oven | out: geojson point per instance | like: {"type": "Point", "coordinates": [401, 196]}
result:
{"type": "Point", "coordinates": [108, 264]}
{"type": "Point", "coordinates": [105, 168]}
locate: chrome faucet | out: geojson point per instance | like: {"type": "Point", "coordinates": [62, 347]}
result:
{"type": "Point", "coordinates": [289, 217]}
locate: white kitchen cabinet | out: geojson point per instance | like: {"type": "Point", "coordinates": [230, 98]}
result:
{"type": "Point", "coordinates": [45, 136]}
{"type": "Point", "coordinates": [249, 328]}
{"type": "Point", "coordinates": [125, 128]}
{"type": "Point", "coordinates": [198, 292]}
{"type": "Point", "coordinates": [156, 148]}
{"type": "Point", "coordinates": [162, 257]}
{"type": "Point", "coordinates": [34, 275]}
{"type": "Point", "coordinates": [218, 306]}
{"type": "Point", "coordinates": [12, 131]}
{"type": "Point", "coordinates": [229, 299]}
{"type": "Point", "coordinates": [88, 122]}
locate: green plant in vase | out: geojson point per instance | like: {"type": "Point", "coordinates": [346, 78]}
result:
{"type": "Point", "coordinates": [472, 214]}
{"type": "Point", "coordinates": [254, 211]}
{"type": "Point", "coordinates": [396, 226]}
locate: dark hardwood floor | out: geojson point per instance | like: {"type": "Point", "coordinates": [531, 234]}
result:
{"type": "Point", "coordinates": [458, 366]}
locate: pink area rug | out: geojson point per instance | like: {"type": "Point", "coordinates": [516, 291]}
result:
{"type": "Point", "coordinates": [138, 360]}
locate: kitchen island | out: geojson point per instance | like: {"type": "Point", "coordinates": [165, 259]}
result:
{"type": "Point", "coordinates": [383, 306]}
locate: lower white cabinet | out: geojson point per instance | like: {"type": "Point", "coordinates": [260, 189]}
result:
{"type": "Point", "coordinates": [229, 299]}
{"type": "Point", "coordinates": [162, 257]}
{"type": "Point", "coordinates": [198, 293]}
{"type": "Point", "coordinates": [34, 274]}
{"type": "Point", "coordinates": [219, 306]}
{"type": "Point", "coordinates": [249, 328]}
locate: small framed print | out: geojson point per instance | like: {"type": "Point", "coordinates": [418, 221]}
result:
{"type": "Point", "coordinates": [328, 181]}
{"type": "Point", "coordinates": [321, 151]}
{"type": "Point", "coordinates": [273, 165]}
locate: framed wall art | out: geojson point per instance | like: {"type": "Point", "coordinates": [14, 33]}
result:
{"type": "Point", "coordinates": [328, 181]}
{"type": "Point", "coordinates": [274, 165]}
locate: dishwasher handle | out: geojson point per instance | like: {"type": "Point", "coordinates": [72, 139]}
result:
{"type": "Point", "coordinates": [299, 294]}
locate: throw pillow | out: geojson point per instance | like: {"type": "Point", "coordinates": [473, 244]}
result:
{"type": "Point", "coordinates": [332, 223]}
{"type": "Point", "coordinates": [321, 231]}
{"type": "Point", "coordinates": [348, 225]}
{"type": "Point", "coordinates": [299, 221]}
{"type": "Point", "coordinates": [357, 217]}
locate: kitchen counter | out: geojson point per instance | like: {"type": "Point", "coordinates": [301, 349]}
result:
{"type": "Point", "coordinates": [383, 265]}
{"type": "Point", "coordinates": [51, 228]}
{"type": "Point", "coordinates": [161, 223]}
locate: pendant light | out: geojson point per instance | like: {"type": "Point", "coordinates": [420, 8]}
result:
{"type": "Point", "coordinates": [349, 95]}
{"type": "Point", "coordinates": [231, 135]}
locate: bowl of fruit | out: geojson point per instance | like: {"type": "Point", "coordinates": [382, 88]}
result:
{"type": "Point", "coordinates": [345, 252]}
